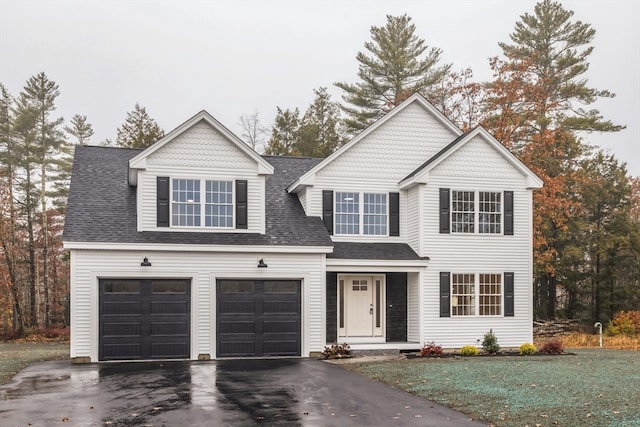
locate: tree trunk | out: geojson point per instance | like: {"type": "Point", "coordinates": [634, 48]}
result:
{"type": "Point", "coordinates": [551, 310]}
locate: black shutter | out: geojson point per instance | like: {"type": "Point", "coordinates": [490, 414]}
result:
{"type": "Point", "coordinates": [508, 295]}
{"type": "Point", "coordinates": [241, 204]}
{"type": "Point", "coordinates": [508, 213]}
{"type": "Point", "coordinates": [394, 214]}
{"type": "Point", "coordinates": [445, 294]}
{"type": "Point", "coordinates": [327, 210]}
{"type": "Point", "coordinates": [162, 201]}
{"type": "Point", "coordinates": [444, 211]}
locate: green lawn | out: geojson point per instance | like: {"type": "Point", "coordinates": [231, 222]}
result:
{"type": "Point", "coordinates": [594, 387]}
{"type": "Point", "coordinates": [16, 356]}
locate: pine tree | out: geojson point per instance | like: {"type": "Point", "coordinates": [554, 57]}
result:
{"type": "Point", "coordinates": [139, 130]}
{"type": "Point", "coordinates": [535, 110]}
{"type": "Point", "coordinates": [399, 64]}
{"type": "Point", "coordinates": [80, 129]}
{"type": "Point", "coordinates": [319, 133]}
{"type": "Point", "coordinates": [284, 134]}
{"type": "Point", "coordinates": [37, 103]}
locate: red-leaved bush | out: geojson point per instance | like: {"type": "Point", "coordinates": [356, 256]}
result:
{"type": "Point", "coordinates": [552, 347]}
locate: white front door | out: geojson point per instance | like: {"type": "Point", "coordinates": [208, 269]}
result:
{"type": "Point", "coordinates": [359, 296]}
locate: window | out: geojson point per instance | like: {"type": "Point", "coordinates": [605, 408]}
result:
{"type": "Point", "coordinates": [463, 295]}
{"type": "Point", "coordinates": [347, 213]}
{"type": "Point", "coordinates": [490, 295]}
{"type": "Point", "coordinates": [185, 206]}
{"type": "Point", "coordinates": [187, 209]}
{"type": "Point", "coordinates": [464, 214]}
{"type": "Point", "coordinates": [218, 204]}
{"type": "Point", "coordinates": [483, 297]}
{"type": "Point", "coordinates": [374, 213]}
{"type": "Point", "coordinates": [489, 212]}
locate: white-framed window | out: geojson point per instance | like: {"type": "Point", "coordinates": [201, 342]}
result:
{"type": "Point", "coordinates": [489, 212]}
{"type": "Point", "coordinates": [185, 203]}
{"type": "Point", "coordinates": [187, 209]}
{"type": "Point", "coordinates": [490, 295]}
{"type": "Point", "coordinates": [476, 293]}
{"type": "Point", "coordinates": [466, 213]}
{"type": "Point", "coordinates": [347, 213]}
{"type": "Point", "coordinates": [462, 212]}
{"type": "Point", "coordinates": [218, 204]}
{"type": "Point", "coordinates": [361, 213]}
{"type": "Point", "coordinates": [374, 214]}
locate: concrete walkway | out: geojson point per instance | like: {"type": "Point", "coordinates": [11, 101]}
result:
{"type": "Point", "coordinates": [291, 392]}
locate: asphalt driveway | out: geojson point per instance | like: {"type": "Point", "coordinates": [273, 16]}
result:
{"type": "Point", "coordinates": [221, 393]}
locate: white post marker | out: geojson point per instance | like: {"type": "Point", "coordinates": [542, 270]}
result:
{"type": "Point", "coordinates": [599, 326]}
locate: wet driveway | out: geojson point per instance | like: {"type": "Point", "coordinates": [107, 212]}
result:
{"type": "Point", "coordinates": [217, 393]}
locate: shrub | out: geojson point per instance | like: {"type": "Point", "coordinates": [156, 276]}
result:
{"type": "Point", "coordinates": [624, 323]}
{"type": "Point", "coordinates": [469, 350]}
{"type": "Point", "coordinates": [430, 349]}
{"type": "Point", "coordinates": [552, 347]}
{"type": "Point", "coordinates": [336, 351]}
{"type": "Point", "coordinates": [490, 343]}
{"type": "Point", "coordinates": [527, 349]}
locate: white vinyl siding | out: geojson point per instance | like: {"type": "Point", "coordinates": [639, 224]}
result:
{"type": "Point", "coordinates": [202, 153]}
{"type": "Point", "coordinates": [203, 269]}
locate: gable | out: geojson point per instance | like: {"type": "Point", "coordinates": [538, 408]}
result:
{"type": "Point", "coordinates": [202, 146]}
{"type": "Point", "coordinates": [391, 151]}
{"type": "Point", "coordinates": [477, 159]}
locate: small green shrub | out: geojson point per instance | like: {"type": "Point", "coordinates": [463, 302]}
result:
{"type": "Point", "coordinates": [336, 351]}
{"type": "Point", "coordinates": [490, 343]}
{"type": "Point", "coordinates": [527, 349]}
{"type": "Point", "coordinates": [469, 350]}
{"type": "Point", "coordinates": [624, 323]}
{"type": "Point", "coordinates": [552, 347]}
{"type": "Point", "coordinates": [430, 349]}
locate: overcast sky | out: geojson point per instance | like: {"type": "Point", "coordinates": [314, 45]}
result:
{"type": "Point", "coordinates": [178, 57]}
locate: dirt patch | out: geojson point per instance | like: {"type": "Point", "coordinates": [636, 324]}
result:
{"type": "Point", "coordinates": [16, 356]}
{"type": "Point", "coordinates": [591, 388]}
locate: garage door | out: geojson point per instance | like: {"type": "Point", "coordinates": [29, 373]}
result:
{"type": "Point", "coordinates": [258, 318]}
{"type": "Point", "coordinates": [144, 319]}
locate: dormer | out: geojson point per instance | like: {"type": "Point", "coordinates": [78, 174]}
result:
{"type": "Point", "coordinates": [200, 178]}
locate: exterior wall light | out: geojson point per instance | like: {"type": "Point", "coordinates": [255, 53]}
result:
{"type": "Point", "coordinates": [261, 263]}
{"type": "Point", "coordinates": [145, 262]}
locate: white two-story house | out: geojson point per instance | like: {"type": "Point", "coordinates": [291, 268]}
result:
{"type": "Point", "coordinates": [198, 247]}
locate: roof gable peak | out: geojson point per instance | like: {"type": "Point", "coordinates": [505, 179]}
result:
{"type": "Point", "coordinates": [140, 160]}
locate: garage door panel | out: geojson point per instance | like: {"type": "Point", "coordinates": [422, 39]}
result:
{"type": "Point", "coordinates": [281, 348]}
{"type": "Point", "coordinates": [281, 307]}
{"type": "Point", "coordinates": [121, 307]}
{"type": "Point", "coordinates": [121, 351]}
{"type": "Point", "coordinates": [169, 307]}
{"type": "Point", "coordinates": [274, 327]}
{"type": "Point", "coordinates": [237, 348]}
{"type": "Point", "coordinates": [151, 323]}
{"type": "Point", "coordinates": [235, 327]}
{"type": "Point", "coordinates": [238, 307]}
{"type": "Point", "coordinates": [169, 328]}
{"type": "Point", "coordinates": [258, 318]}
{"type": "Point", "coordinates": [121, 329]}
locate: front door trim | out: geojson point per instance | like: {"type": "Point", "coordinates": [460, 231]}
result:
{"type": "Point", "coordinates": [349, 300]}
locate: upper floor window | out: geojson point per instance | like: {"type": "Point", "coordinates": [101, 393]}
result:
{"type": "Point", "coordinates": [218, 204]}
{"type": "Point", "coordinates": [185, 203]}
{"type": "Point", "coordinates": [465, 213]}
{"type": "Point", "coordinates": [350, 207]}
{"type": "Point", "coordinates": [187, 209]}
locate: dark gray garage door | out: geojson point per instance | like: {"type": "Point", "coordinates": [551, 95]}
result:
{"type": "Point", "coordinates": [144, 319]}
{"type": "Point", "coordinates": [258, 318]}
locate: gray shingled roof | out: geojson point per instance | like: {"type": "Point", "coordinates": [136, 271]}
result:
{"type": "Point", "coordinates": [102, 209]}
{"type": "Point", "coordinates": [374, 251]}
{"type": "Point", "coordinates": [102, 206]}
